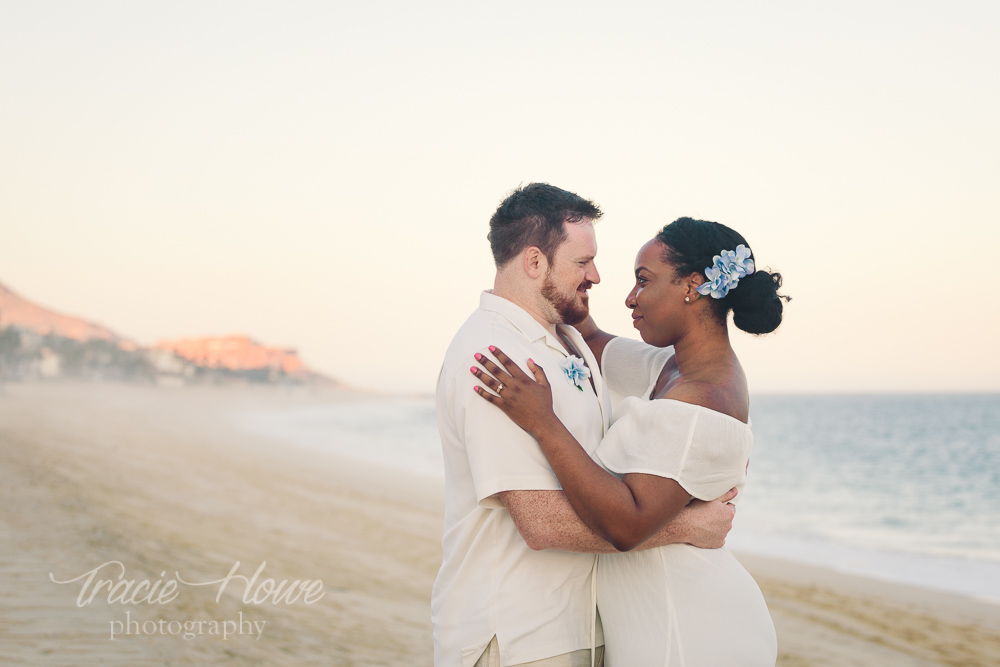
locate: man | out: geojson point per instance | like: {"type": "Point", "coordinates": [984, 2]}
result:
{"type": "Point", "coordinates": [515, 585]}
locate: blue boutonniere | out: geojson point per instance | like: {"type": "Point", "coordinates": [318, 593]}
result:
{"type": "Point", "coordinates": [575, 370]}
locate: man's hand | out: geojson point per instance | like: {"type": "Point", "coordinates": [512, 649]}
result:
{"type": "Point", "coordinates": [705, 524]}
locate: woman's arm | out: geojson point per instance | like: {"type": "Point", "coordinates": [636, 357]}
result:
{"type": "Point", "coordinates": [595, 338]}
{"type": "Point", "coordinates": [624, 512]}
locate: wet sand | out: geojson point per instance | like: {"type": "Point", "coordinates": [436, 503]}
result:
{"type": "Point", "coordinates": [161, 481]}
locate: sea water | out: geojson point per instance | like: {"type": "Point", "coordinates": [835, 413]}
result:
{"type": "Point", "coordinates": [900, 488]}
{"type": "Point", "coordinates": [903, 488]}
{"type": "Point", "coordinates": [400, 432]}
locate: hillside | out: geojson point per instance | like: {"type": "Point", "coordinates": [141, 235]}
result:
{"type": "Point", "coordinates": [25, 315]}
{"type": "Point", "coordinates": [38, 342]}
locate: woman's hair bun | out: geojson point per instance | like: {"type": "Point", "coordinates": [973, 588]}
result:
{"type": "Point", "coordinates": [756, 304]}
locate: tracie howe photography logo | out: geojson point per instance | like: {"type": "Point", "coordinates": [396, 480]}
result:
{"type": "Point", "coordinates": [109, 581]}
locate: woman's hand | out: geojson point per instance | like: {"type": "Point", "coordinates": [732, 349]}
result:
{"type": "Point", "coordinates": [527, 402]}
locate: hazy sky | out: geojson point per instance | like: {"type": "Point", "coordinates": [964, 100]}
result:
{"type": "Point", "coordinates": [320, 175]}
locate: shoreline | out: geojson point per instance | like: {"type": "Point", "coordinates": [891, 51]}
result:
{"type": "Point", "coordinates": [161, 480]}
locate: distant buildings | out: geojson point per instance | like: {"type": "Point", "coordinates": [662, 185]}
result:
{"type": "Point", "coordinates": [49, 363]}
{"type": "Point", "coordinates": [234, 353]}
{"type": "Point", "coordinates": [25, 354]}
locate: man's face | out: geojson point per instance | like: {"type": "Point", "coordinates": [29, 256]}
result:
{"type": "Point", "coordinates": [571, 273]}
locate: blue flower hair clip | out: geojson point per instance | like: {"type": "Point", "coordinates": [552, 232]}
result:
{"type": "Point", "coordinates": [726, 270]}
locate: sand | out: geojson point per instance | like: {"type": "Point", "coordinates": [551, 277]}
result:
{"type": "Point", "coordinates": [162, 481]}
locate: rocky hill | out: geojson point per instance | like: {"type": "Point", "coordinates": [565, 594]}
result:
{"type": "Point", "coordinates": [42, 321]}
{"type": "Point", "coordinates": [38, 342]}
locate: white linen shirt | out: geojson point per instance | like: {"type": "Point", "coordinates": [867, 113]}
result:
{"type": "Point", "coordinates": [537, 603]}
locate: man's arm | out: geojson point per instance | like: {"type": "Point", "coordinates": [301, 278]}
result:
{"type": "Point", "coordinates": [545, 520]}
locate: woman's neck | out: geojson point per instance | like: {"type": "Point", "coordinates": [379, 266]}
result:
{"type": "Point", "coordinates": [702, 348]}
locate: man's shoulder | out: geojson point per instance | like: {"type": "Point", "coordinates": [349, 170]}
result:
{"type": "Point", "coordinates": [482, 329]}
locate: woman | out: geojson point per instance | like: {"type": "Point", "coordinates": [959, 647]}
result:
{"type": "Point", "coordinates": [680, 431]}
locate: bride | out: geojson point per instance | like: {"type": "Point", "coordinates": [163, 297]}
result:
{"type": "Point", "coordinates": [680, 431]}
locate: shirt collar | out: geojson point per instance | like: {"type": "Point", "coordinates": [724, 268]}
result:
{"type": "Point", "coordinates": [529, 327]}
{"type": "Point", "coordinates": [533, 330]}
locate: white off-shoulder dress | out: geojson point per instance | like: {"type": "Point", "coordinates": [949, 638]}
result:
{"type": "Point", "coordinates": [676, 606]}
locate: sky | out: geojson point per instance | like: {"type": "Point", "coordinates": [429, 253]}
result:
{"type": "Point", "coordinates": [320, 175]}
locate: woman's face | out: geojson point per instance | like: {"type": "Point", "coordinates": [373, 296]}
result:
{"type": "Point", "coordinates": [657, 300]}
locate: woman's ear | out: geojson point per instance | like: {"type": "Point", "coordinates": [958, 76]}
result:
{"type": "Point", "coordinates": [694, 280]}
{"type": "Point", "coordinates": [535, 262]}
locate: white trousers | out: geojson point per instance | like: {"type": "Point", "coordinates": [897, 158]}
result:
{"type": "Point", "coordinates": [581, 658]}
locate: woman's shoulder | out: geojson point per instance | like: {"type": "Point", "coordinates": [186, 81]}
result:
{"type": "Point", "coordinates": [631, 366]}
{"type": "Point", "coordinates": [620, 346]}
{"type": "Point", "coordinates": [722, 399]}
{"type": "Point", "coordinates": [660, 415]}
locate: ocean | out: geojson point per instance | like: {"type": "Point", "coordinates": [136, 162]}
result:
{"type": "Point", "coordinates": [902, 488]}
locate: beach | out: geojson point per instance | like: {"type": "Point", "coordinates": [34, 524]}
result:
{"type": "Point", "coordinates": [162, 482]}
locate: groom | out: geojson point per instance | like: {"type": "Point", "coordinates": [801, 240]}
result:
{"type": "Point", "coordinates": [515, 585]}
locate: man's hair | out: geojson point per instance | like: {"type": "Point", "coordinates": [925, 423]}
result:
{"type": "Point", "coordinates": [533, 215]}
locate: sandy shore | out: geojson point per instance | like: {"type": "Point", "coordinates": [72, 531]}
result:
{"type": "Point", "coordinates": [161, 481]}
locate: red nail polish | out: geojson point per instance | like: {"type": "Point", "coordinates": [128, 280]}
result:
{"type": "Point", "coordinates": [492, 348]}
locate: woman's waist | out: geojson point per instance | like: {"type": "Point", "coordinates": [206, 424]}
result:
{"type": "Point", "coordinates": [672, 556]}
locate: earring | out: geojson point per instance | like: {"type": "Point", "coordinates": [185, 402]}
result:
{"type": "Point", "coordinates": [687, 299]}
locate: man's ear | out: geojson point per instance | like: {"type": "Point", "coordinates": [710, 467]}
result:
{"type": "Point", "coordinates": [535, 262]}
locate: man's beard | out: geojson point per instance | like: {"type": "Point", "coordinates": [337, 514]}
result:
{"type": "Point", "coordinates": [569, 311]}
